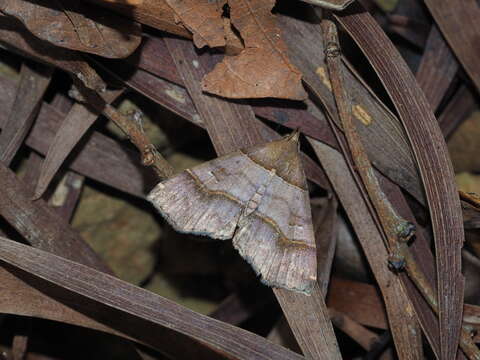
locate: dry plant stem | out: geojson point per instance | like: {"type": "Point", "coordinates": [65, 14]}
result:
{"type": "Point", "coordinates": [397, 230]}
{"type": "Point", "coordinates": [150, 156]}
{"type": "Point", "coordinates": [405, 331]}
{"type": "Point", "coordinates": [391, 223]}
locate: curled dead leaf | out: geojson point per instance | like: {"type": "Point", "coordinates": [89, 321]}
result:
{"type": "Point", "coordinates": [64, 24]}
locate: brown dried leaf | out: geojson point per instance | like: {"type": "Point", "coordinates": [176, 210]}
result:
{"type": "Point", "coordinates": [203, 18]}
{"type": "Point", "coordinates": [19, 39]}
{"type": "Point", "coordinates": [154, 13]}
{"type": "Point", "coordinates": [233, 42]}
{"type": "Point", "coordinates": [63, 24]}
{"type": "Point", "coordinates": [263, 68]}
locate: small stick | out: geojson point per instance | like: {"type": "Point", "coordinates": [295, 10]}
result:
{"type": "Point", "coordinates": [397, 230]}
{"type": "Point", "coordinates": [150, 155]}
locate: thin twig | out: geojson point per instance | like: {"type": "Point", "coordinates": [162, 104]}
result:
{"type": "Point", "coordinates": [150, 155]}
{"type": "Point", "coordinates": [397, 230]}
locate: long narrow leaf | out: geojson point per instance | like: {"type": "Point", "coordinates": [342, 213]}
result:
{"type": "Point", "coordinates": [120, 295]}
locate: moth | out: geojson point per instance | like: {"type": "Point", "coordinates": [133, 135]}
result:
{"type": "Point", "coordinates": [259, 198]}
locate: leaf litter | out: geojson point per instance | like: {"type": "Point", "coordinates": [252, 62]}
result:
{"type": "Point", "coordinates": [250, 55]}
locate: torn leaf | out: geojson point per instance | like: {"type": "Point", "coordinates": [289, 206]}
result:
{"type": "Point", "coordinates": [76, 26]}
{"type": "Point", "coordinates": [259, 198]}
{"type": "Point", "coordinates": [263, 68]}
{"type": "Point", "coordinates": [203, 18]}
{"type": "Point", "coordinates": [233, 42]}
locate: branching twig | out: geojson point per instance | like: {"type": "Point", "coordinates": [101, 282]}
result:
{"type": "Point", "coordinates": [396, 229]}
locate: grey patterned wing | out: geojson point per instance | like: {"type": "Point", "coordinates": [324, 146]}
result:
{"type": "Point", "coordinates": [277, 239]}
{"type": "Point", "coordinates": [207, 199]}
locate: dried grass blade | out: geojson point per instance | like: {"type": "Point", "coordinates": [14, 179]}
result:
{"type": "Point", "coordinates": [129, 299]}
{"type": "Point", "coordinates": [34, 79]}
{"type": "Point", "coordinates": [434, 163]}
